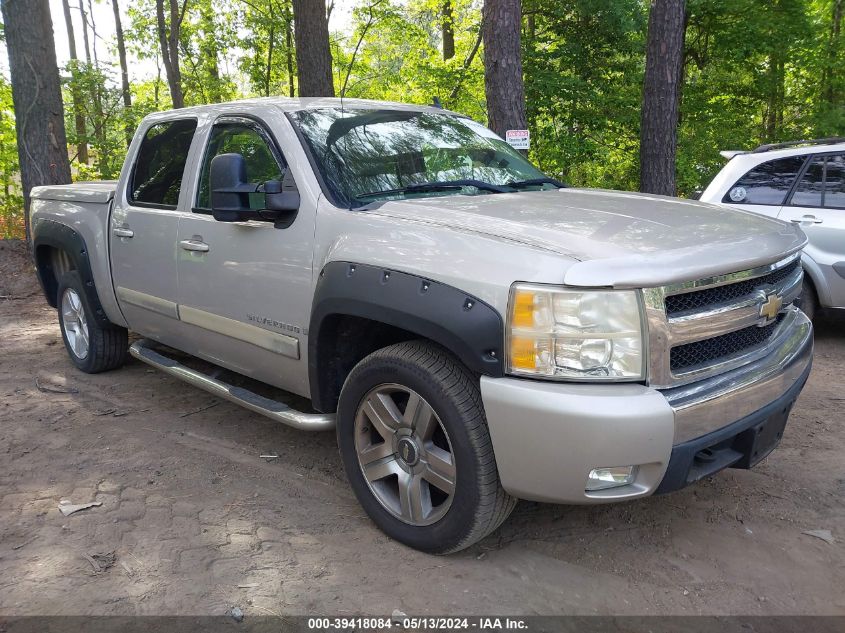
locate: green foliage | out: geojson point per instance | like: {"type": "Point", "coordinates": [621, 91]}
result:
{"type": "Point", "coordinates": [207, 32]}
{"type": "Point", "coordinates": [754, 71]}
{"type": "Point", "coordinates": [584, 71]}
{"type": "Point", "coordinates": [208, 29]}
{"type": "Point", "coordinates": [11, 198]}
{"type": "Point", "coordinates": [399, 55]}
{"type": "Point", "coordinates": [734, 96]}
{"type": "Point", "coordinates": [142, 42]}
{"type": "Point", "coordinates": [105, 119]}
{"type": "Point", "coordinates": [269, 59]}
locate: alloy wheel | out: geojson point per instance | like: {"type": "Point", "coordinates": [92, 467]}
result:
{"type": "Point", "coordinates": [405, 454]}
{"type": "Point", "coordinates": [75, 323]}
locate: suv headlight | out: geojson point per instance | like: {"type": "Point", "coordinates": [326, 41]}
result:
{"type": "Point", "coordinates": [556, 332]}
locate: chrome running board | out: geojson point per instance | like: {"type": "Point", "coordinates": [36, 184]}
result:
{"type": "Point", "coordinates": [273, 409]}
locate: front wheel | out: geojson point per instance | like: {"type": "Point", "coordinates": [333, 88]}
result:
{"type": "Point", "coordinates": [416, 449]}
{"type": "Point", "coordinates": [91, 347]}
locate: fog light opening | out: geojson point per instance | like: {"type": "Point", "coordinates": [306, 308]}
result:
{"type": "Point", "coordinates": [612, 477]}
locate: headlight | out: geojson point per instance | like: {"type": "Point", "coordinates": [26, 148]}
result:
{"type": "Point", "coordinates": [575, 334]}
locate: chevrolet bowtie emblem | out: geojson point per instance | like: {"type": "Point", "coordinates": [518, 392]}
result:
{"type": "Point", "coordinates": [771, 306]}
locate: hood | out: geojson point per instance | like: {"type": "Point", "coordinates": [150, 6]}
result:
{"type": "Point", "coordinates": [617, 239]}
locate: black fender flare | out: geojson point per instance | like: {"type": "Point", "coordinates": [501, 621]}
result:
{"type": "Point", "coordinates": [466, 326]}
{"type": "Point", "coordinates": [62, 237]}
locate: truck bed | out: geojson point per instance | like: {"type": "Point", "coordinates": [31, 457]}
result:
{"type": "Point", "coordinates": [83, 210]}
{"type": "Point", "coordinates": [99, 192]}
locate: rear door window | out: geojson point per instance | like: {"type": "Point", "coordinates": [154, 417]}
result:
{"type": "Point", "coordinates": [823, 183]}
{"type": "Point", "coordinates": [834, 182]}
{"type": "Point", "coordinates": [768, 183]}
{"type": "Point", "coordinates": [160, 166]}
{"type": "Point", "coordinates": [810, 188]}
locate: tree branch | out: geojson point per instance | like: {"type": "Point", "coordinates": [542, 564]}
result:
{"type": "Point", "coordinates": [182, 13]}
{"type": "Point", "coordinates": [255, 8]}
{"type": "Point", "coordinates": [467, 63]}
{"type": "Point", "coordinates": [370, 20]}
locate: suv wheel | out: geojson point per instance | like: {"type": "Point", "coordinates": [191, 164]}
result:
{"type": "Point", "coordinates": [809, 300]}
{"type": "Point", "coordinates": [91, 347]}
{"type": "Point", "coordinates": [415, 446]}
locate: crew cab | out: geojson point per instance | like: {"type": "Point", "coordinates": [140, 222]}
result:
{"type": "Point", "coordinates": [475, 331]}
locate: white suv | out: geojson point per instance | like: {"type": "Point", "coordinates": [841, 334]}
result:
{"type": "Point", "coordinates": [804, 183]}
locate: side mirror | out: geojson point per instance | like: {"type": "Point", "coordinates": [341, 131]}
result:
{"type": "Point", "coordinates": [230, 194]}
{"type": "Point", "coordinates": [229, 189]}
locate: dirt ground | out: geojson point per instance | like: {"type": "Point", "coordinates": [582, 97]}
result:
{"type": "Point", "coordinates": [198, 522]}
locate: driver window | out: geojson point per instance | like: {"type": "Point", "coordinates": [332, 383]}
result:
{"type": "Point", "coordinates": [248, 141]}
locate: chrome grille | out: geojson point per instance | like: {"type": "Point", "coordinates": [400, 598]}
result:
{"type": "Point", "coordinates": [705, 327]}
{"type": "Point", "coordinates": [683, 357]}
{"type": "Point", "coordinates": [701, 299]}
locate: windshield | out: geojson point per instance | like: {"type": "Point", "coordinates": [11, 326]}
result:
{"type": "Point", "coordinates": [367, 155]}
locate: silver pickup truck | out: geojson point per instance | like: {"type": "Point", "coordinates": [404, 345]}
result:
{"type": "Point", "coordinates": [475, 331]}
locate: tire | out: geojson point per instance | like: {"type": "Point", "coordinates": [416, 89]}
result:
{"type": "Point", "coordinates": [91, 347]}
{"type": "Point", "coordinates": [809, 299]}
{"type": "Point", "coordinates": [432, 449]}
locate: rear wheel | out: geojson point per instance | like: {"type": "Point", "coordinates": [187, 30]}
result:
{"type": "Point", "coordinates": [415, 446]}
{"type": "Point", "coordinates": [91, 347]}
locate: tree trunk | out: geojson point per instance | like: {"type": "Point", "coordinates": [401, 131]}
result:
{"type": "Point", "coordinates": [289, 51]}
{"type": "Point", "coordinates": [96, 93]}
{"type": "Point", "coordinates": [93, 32]}
{"type": "Point", "coordinates": [773, 116]}
{"type": "Point", "coordinates": [781, 95]}
{"type": "Point", "coordinates": [661, 94]}
{"type": "Point", "coordinates": [503, 83]}
{"type": "Point", "coordinates": [71, 38]}
{"type": "Point", "coordinates": [168, 40]}
{"type": "Point", "coordinates": [76, 95]}
{"type": "Point", "coordinates": [124, 70]}
{"type": "Point", "coordinates": [829, 91]}
{"type": "Point", "coordinates": [157, 89]}
{"type": "Point", "coordinates": [272, 40]}
{"type": "Point", "coordinates": [173, 42]}
{"type": "Point", "coordinates": [36, 95]}
{"type": "Point", "coordinates": [85, 32]}
{"type": "Point", "coordinates": [7, 183]}
{"type": "Point", "coordinates": [313, 55]}
{"type": "Point", "coordinates": [448, 28]}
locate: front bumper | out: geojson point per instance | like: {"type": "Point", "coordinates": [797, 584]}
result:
{"type": "Point", "coordinates": [547, 437]}
{"type": "Point", "coordinates": [739, 445]}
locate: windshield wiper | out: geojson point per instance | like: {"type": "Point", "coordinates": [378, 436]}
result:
{"type": "Point", "coordinates": [533, 182]}
{"type": "Point", "coordinates": [439, 185]}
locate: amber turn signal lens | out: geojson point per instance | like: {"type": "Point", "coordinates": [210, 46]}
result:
{"type": "Point", "coordinates": [523, 309]}
{"type": "Point", "coordinates": [523, 353]}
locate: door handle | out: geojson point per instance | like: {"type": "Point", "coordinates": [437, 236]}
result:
{"type": "Point", "coordinates": [122, 231]}
{"type": "Point", "coordinates": [807, 219]}
{"type": "Point", "coordinates": [193, 245]}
